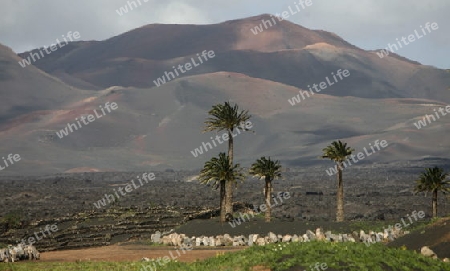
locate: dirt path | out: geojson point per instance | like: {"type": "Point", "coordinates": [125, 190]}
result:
{"type": "Point", "coordinates": [116, 253]}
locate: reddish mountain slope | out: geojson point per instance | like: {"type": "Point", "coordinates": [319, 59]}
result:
{"type": "Point", "coordinates": [285, 53]}
{"type": "Point", "coordinates": [23, 90]}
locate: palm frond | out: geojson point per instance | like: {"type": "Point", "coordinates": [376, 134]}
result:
{"type": "Point", "coordinates": [433, 179]}
{"type": "Point", "coordinates": [337, 151]}
{"type": "Point", "coordinates": [225, 117]}
{"type": "Point", "coordinates": [218, 169]}
{"type": "Point", "coordinates": [266, 168]}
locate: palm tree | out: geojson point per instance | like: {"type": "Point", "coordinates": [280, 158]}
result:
{"type": "Point", "coordinates": [433, 180]}
{"type": "Point", "coordinates": [338, 152]}
{"type": "Point", "coordinates": [218, 172]}
{"type": "Point", "coordinates": [225, 117]}
{"type": "Point", "coordinates": [270, 170]}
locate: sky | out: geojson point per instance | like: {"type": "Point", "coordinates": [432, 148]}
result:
{"type": "Point", "coordinates": [368, 24]}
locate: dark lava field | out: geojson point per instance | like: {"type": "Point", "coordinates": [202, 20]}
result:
{"type": "Point", "coordinates": [372, 192]}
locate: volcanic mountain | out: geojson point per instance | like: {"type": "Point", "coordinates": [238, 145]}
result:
{"type": "Point", "coordinates": [161, 126]}
{"type": "Point", "coordinates": [285, 53]}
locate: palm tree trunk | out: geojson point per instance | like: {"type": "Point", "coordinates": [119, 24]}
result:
{"type": "Point", "coordinates": [229, 197]}
{"type": "Point", "coordinates": [230, 146]}
{"type": "Point", "coordinates": [268, 194]}
{"type": "Point", "coordinates": [340, 195]}
{"type": "Point", "coordinates": [229, 183]}
{"type": "Point", "coordinates": [435, 194]}
{"type": "Point", "coordinates": [222, 201]}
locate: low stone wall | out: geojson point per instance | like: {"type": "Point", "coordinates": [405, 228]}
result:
{"type": "Point", "coordinates": [175, 239]}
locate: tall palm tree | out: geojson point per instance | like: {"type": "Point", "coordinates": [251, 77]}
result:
{"type": "Point", "coordinates": [338, 152]}
{"type": "Point", "coordinates": [269, 170]}
{"type": "Point", "coordinates": [227, 117]}
{"type": "Point", "coordinates": [218, 172]}
{"type": "Point", "coordinates": [433, 180]}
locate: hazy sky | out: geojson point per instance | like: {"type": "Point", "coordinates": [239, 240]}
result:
{"type": "Point", "coordinates": [368, 24]}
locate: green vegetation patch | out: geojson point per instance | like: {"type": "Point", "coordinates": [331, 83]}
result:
{"type": "Point", "coordinates": [282, 256]}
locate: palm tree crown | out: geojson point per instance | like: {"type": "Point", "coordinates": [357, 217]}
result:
{"type": "Point", "coordinates": [266, 168]}
{"type": "Point", "coordinates": [433, 179]}
{"type": "Point", "coordinates": [225, 117]}
{"type": "Point", "coordinates": [337, 151]}
{"type": "Point", "coordinates": [218, 169]}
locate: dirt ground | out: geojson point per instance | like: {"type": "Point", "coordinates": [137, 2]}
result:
{"type": "Point", "coordinates": [117, 253]}
{"type": "Point", "coordinates": [436, 236]}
